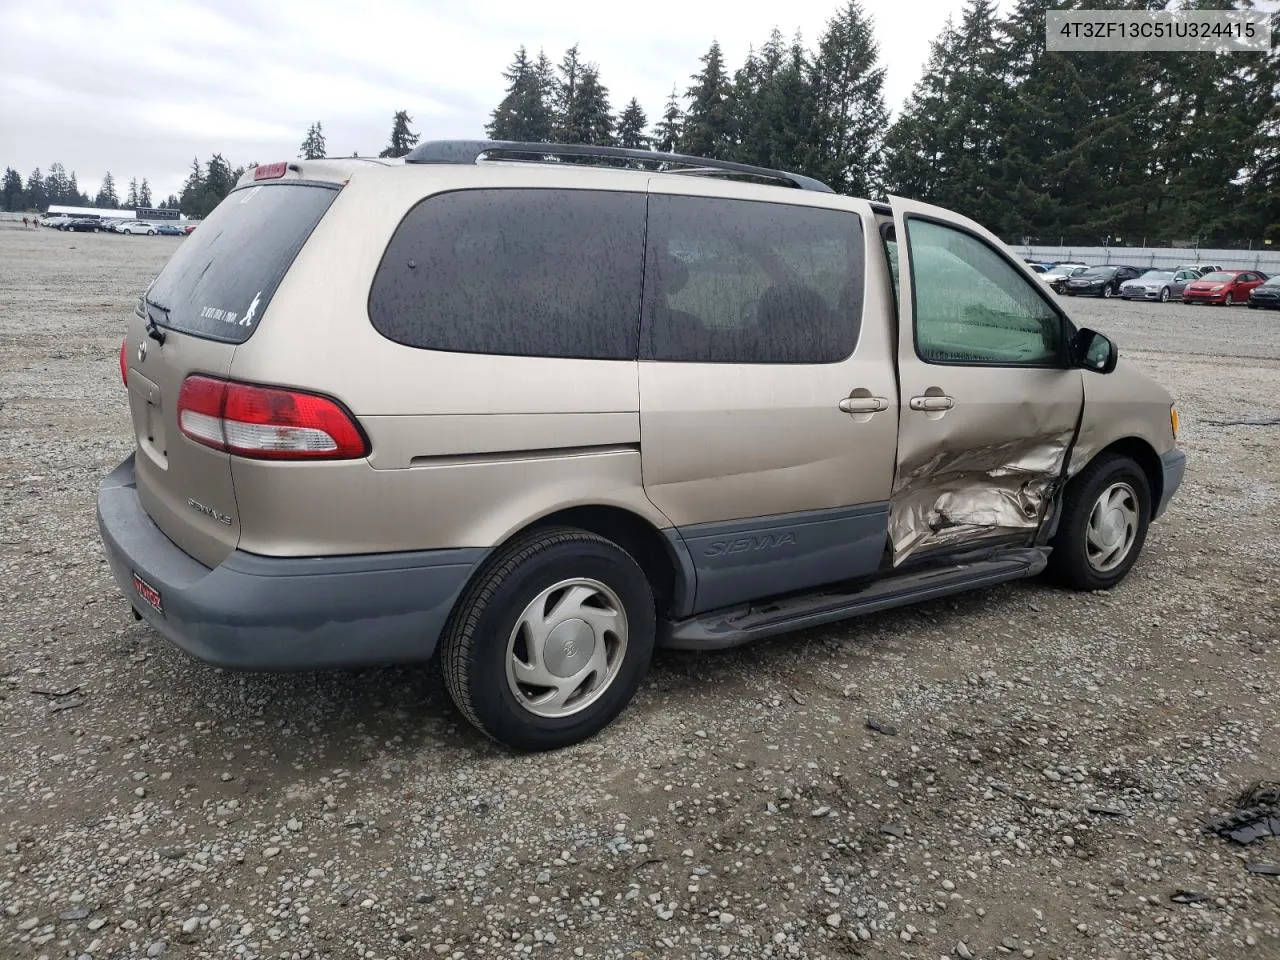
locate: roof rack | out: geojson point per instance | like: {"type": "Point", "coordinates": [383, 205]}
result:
{"type": "Point", "coordinates": [472, 151]}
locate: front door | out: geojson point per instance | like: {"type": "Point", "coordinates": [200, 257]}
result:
{"type": "Point", "coordinates": [989, 399]}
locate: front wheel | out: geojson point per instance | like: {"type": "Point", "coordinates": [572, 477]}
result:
{"type": "Point", "coordinates": [1164, 295]}
{"type": "Point", "coordinates": [1228, 300]}
{"type": "Point", "coordinates": [1108, 292]}
{"type": "Point", "coordinates": [1104, 523]}
{"type": "Point", "coordinates": [551, 640]}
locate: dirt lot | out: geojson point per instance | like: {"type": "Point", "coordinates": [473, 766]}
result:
{"type": "Point", "coordinates": [1041, 795]}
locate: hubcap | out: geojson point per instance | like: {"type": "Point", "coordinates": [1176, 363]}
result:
{"type": "Point", "coordinates": [1113, 527]}
{"type": "Point", "coordinates": [566, 648]}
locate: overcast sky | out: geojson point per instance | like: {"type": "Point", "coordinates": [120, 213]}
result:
{"type": "Point", "coordinates": [140, 87]}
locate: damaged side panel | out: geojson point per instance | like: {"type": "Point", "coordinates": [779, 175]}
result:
{"type": "Point", "coordinates": [957, 496]}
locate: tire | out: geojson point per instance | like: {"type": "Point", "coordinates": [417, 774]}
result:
{"type": "Point", "coordinates": [1228, 300]}
{"type": "Point", "coordinates": [1080, 559]}
{"type": "Point", "coordinates": [1107, 292]}
{"type": "Point", "coordinates": [486, 642]}
{"type": "Point", "coordinates": [151, 233]}
{"type": "Point", "coordinates": [1164, 294]}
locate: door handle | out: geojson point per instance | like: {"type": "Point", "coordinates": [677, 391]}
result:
{"type": "Point", "coordinates": [932, 403]}
{"type": "Point", "coordinates": [864, 404]}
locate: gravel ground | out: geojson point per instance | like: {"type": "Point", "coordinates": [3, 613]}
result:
{"type": "Point", "coordinates": [1036, 789]}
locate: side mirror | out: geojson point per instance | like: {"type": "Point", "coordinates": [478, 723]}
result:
{"type": "Point", "coordinates": [1094, 351]}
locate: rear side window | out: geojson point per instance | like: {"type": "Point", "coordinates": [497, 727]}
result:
{"type": "Point", "coordinates": [740, 281]}
{"type": "Point", "coordinates": [516, 272]}
{"type": "Point", "coordinates": [219, 283]}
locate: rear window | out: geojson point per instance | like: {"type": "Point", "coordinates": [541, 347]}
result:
{"type": "Point", "coordinates": [516, 272]}
{"type": "Point", "coordinates": [218, 284]}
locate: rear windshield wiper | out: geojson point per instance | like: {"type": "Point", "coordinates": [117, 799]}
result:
{"type": "Point", "coordinates": [153, 329]}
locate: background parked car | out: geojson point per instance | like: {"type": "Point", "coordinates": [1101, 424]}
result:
{"type": "Point", "coordinates": [1223, 287]}
{"type": "Point", "coordinates": [1162, 285]}
{"type": "Point", "coordinates": [1266, 294]}
{"type": "Point", "coordinates": [168, 230]}
{"type": "Point", "coordinates": [1201, 268]}
{"type": "Point", "coordinates": [138, 226]}
{"type": "Point", "coordinates": [57, 222]}
{"type": "Point", "coordinates": [1100, 281]}
{"type": "Point", "coordinates": [83, 225]}
{"type": "Point", "coordinates": [1057, 275]}
{"type": "Point", "coordinates": [189, 229]}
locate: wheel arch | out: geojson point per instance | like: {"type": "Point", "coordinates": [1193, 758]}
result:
{"type": "Point", "coordinates": [1143, 454]}
{"type": "Point", "coordinates": [661, 555]}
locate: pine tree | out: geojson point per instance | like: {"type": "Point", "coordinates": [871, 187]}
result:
{"type": "Point", "coordinates": [131, 201]}
{"type": "Point", "coordinates": [11, 189]}
{"type": "Point", "coordinates": [73, 192]}
{"type": "Point", "coordinates": [218, 179]}
{"type": "Point", "coordinates": [666, 135]}
{"type": "Point", "coordinates": [144, 193]}
{"type": "Point", "coordinates": [707, 128]}
{"type": "Point", "coordinates": [313, 147]}
{"type": "Point", "coordinates": [565, 93]}
{"type": "Point", "coordinates": [107, 197]}
{"type": "Point", "coordinates": [56, 187]}
{"type": "Point", "coordinates": [774, 108]}
{"type": "Point", "coordinates": [523, 114]}
{"type": "Point", "coordinates": [852, 116]}
{"type": "Point", "coordinates": [192, 191]}
{"type": "Point", "coordinates": [631, 126]}
{"type": "Point", "coordinates": [36, 198]}
{"type": "Point", "coordinates": [589, 119]}
{"type": "Point", "coordinates": [402, 138]}
{"type": "Point", "coordinates": [173, 203]}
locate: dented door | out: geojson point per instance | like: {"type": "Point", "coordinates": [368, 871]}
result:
{"type": "Point", "coordinates": [989, 403]}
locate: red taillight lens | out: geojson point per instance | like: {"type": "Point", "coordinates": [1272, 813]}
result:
{"type": "Point", "coordinates": [124, 364]}
{"type": "Point", "coordinates": [267, 423]}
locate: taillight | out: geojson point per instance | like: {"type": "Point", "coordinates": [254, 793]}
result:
{"type": "Point", "coordinates": [267, 423]}
{"type": "Point", "coordinates": [124, 364]}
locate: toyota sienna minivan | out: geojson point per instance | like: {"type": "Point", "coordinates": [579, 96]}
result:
{"type": "Point", "coordinates": [540, 416]}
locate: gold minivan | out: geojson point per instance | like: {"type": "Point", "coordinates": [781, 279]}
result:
{"type": "Point", "coordinates": [544, 407]}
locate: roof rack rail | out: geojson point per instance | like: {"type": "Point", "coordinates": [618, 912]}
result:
{"type": "Point", "coordinates": [471, 151]}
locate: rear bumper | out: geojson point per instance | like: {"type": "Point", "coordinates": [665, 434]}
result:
{"type": "Point", "coordinates": [1174, 465]}
{"type": "Point", "coordinates": [281, 613]}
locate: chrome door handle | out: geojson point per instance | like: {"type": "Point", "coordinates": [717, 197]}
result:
{"type": "Point", "coordinates": [864, 404]}
{"type": "Point", "coordinates": [932, 403]}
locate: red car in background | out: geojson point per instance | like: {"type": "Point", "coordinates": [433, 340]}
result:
{"type": "Point", "coordinates": [189, 229]}
{"type": "Point", "coordinates": [1223, 287]}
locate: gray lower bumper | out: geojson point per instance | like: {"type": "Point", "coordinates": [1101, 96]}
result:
{"type": "Point", "coordinates": [281, 613]}
{"type": "Point", "coordinates": [1174, 464]}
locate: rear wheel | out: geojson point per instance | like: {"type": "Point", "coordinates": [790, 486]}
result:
{"type": "Point", "coordinates": [151, 233]}
{"type": "Point", "coordinates": [1104, 523]}
{"type": "Point", "coordinates": [551, 640]}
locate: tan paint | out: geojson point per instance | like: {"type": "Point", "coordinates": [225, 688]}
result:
{"type": "Point", "coordinates": [318, 509]}
{"type": "Point", "coordinates": [1122, 404]}
{"type": "Point", "coordinates": [726, 441]}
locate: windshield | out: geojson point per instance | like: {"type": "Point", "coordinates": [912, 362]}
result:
{"type": "Point", "coordinates": [1098, 272]}
{"type": "Point", "coordinates": [1272, 281]}
{"type": "Point", "coordinates": [1219, 276]}
{"type": "Point", "coordinates": [1157, 275]}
